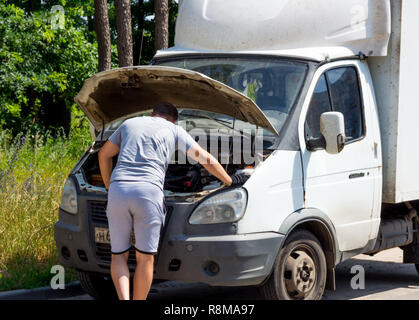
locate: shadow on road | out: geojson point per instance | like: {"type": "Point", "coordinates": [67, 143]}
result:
{"type": "Point", "coordinates": [380, 278]}
{"type": "Point", "coordinates": [174, 290]}
{"type": "Point", "coordinates": [384, 280]}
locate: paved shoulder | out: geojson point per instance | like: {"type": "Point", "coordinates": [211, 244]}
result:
{"type": "Point", "coordinates": [72, 290]}
{"type": "Point", "coordinates": [384, 278]}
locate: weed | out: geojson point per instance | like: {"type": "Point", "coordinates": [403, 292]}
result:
{"type": "Point", "coordinates": [33, 169]}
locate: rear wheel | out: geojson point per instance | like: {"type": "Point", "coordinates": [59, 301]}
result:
{"type": "Point", "coordinates": [299, 272]}
{"type": "Point", "coordinates": [97, 286]}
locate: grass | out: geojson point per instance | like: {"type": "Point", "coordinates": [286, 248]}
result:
{"type": "Point", "coordinates": [33, 169]}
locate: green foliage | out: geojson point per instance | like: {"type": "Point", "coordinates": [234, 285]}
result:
{"type": "Point", "coordinates": [41, 70]}
{"type": "Point", "coordinates": [40, 66]}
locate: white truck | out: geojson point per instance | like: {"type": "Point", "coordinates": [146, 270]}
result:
{"type": "Point", "coordinates": [332, 86]}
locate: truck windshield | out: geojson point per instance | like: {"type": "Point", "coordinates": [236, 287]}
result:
{"type": "Point", "coordinates": [273, 84]}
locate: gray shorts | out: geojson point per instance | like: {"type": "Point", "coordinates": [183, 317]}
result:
{"type": "Point", "coordinates": [136, 207]}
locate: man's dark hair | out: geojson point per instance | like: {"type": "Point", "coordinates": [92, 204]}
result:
{"type": "Point", "coordinates": [166, 109]}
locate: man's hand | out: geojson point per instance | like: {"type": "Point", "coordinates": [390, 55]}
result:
{"type": "Point", "coordinates": [108, 151]}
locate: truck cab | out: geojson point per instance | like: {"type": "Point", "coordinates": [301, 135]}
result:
{"type": "Point", "coordinates": [302, 95]}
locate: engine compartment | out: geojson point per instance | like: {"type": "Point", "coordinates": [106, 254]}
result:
{"type": "Point", "coordinates": [182, 177]}
{"type": "Point", "coordinates": [188, 178]}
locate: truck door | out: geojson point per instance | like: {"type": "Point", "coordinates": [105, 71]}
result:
{"type": "Point", "coordinates": [340, 185]}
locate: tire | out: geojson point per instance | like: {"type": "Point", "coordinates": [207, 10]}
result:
{"type": "Point", "coordinates": [417, 267]}
{"type": "Point", "coordinates": [98, 287]}
{"type": "Point", "coordinates": [299, 271]}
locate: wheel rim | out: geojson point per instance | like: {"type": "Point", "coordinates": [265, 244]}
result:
{"type": "Point", "coordinates": [300, 273]}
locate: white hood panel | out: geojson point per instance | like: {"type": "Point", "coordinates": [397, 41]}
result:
{"type": "Point", "coordinates": [117, 93]}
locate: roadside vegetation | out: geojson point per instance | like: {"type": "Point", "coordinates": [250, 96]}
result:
{"type": "Point", "coordinates": [42, 133]}
{"type": "Point", "coordinates": [33, 169]}
{"type": "Point", "coordinates": [43, 65]}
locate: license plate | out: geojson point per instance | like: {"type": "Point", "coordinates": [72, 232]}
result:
{"type": "Point", "coordinates": [102, 235]}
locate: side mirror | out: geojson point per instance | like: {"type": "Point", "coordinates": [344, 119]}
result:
{"type": "Point", "coordinates": [332, 127]}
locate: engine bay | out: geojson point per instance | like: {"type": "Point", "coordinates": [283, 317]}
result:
{"type": "Point", "coordinates": [183, 178]}
{"type": "Point", "coordinates": [180, 178]}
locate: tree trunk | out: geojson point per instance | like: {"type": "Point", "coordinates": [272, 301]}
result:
{"type": "Point", "coordinates": [91, 23]}
{"type": "Point", "coordinates": [138, 43]}
{"type": "Point", "coordinates": [161, 10]}
{"type": "Point", "coordinates": [123, 27]}
{"type": "Point", "coordinates": [30, 6]}
{"type": "Point", "coordinates": [103, 34]}
{"type": "Point", "coordinates": [55, 115]}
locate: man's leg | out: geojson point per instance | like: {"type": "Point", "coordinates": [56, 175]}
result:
{"type": "Point", "coordinates": [120, 274]}
{"type": "Point", "coordinates": [148, 218]}
{"type": "Point", "coordinates": [120, 225]}
{"type": "Point", "coordinates": [143, 275]}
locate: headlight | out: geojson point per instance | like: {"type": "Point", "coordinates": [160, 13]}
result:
{"type": "Point", "coordinates": [224, 207]}
{"type": "Point", "coordinates": [69, 197]}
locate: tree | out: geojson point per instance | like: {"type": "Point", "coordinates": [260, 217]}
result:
{"type": "Point", "coordinates": [41, 69]}
{"type": "Point", "coordinates": [103, 35]}
{"type": "Point", "coordinates": [123, 27]}
{"type": "Point", "coordinates": [161, 9]}
{"type": "Point", "coordinates": [138, 15]}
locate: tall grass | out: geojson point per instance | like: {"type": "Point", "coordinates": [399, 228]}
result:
{"type": "Point", "coordinates": [33, 169]}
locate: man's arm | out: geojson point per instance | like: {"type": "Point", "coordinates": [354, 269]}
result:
{"type": "Point", "coordinates": [108, 151]}
{"type": "Point", "coordinates": [209, 163]}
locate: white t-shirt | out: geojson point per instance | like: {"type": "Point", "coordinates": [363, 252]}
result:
{"type": "Point", "coordinates": [146, 147]}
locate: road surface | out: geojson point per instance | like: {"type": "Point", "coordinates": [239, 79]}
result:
{"type": "Point", "coordinates": [386, 278]}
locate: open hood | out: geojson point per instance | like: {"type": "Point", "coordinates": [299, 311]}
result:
{"type": "Point", "coordinates": [117, 93]}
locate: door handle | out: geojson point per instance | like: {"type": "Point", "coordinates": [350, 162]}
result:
{"type": "Point", "coordinates": [356, 175]}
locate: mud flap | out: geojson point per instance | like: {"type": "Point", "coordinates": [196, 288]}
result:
{"type": "Point", "coordinates": [411, 251]}
{"type": "Point", "coordinates": [331, 279]}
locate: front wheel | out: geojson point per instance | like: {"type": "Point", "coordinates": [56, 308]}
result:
{"type": "Point", "coordinates": [97, 286]}
{"type": "Point", "coordinates": [299, 271]}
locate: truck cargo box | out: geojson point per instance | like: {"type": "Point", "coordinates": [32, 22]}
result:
{"type": "Point", "coordinates": [316, 29]}
{"type": "Point", "coordinates": [396, 88]}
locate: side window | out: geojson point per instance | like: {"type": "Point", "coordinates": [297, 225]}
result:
{"type": "Point", "coordinates": [345, 95]}
{"type": "Point", "coordinates": [320, 103]}
{"type": "Point", "coordinates": [336, 90]}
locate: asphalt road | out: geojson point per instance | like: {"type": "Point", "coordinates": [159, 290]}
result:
{"type": "Point", "coordinates": [386, 278]}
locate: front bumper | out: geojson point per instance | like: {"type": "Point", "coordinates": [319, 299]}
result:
{"type": "Point", "coordinates": [211, 254]}
{"type": "Point", "coordinates": [230, 260]}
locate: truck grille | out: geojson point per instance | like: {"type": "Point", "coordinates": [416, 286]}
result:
{"type": "Point", "coordinates": [103, 252]}
{"type": "Point", "coordinates": [97, 211]}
